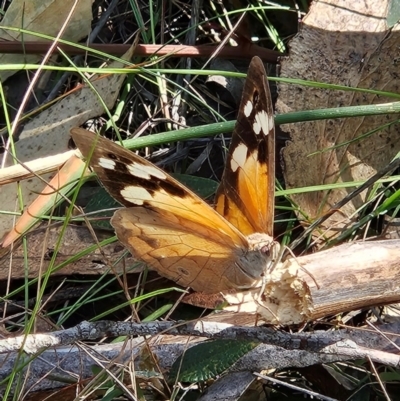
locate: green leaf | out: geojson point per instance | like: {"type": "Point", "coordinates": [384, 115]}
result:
{"type": "Point", "coordinates": [203, 187]}
{"type": "Point", "coordinates": [390, 376]}
{"type": "Point", "coordinates": [112, 393]}
{"type": "Point", "coordinates": [209, 359]}
{"type": "Point", "coordinates": [101, 200]}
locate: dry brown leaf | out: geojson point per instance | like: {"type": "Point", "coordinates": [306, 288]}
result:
{"type": "Point", "coordinates": [345, 43]}
{"type": "Point", "coordinates": [48, 134]}
{"type": "Point", "coordinates": [41, 244]}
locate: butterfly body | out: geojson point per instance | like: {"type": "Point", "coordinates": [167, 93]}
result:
{"type": "Point", "coordinates": [174, 231]}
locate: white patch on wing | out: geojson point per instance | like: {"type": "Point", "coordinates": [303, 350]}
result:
{"type": "Point", "coordinates": [145, 171]}
{"type": "Point", "coordinates": [136, 195]}
{"type": "Point", "coordinates": [248, 108]}
{"type": "Point", "coordinates": [108, 164]}
{"type": "Point", "coordinates": [270, 122]}
{"type": "Point", "coordinates": [261, 123]}
{"type": "Point", "coordinates": [239, 156]}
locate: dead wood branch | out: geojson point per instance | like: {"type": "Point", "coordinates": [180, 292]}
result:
{"type": "Point", "coordinates": [64, 362]}
{"type": "Point", "coordinates": [348, 277]}
{"type": "Point", "coordinates": [314, 342]}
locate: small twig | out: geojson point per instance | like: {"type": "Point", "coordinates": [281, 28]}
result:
{"type": "Point", "coordinates": [297, 388]}
{"type": "Point", "coordinates": [238, 52]}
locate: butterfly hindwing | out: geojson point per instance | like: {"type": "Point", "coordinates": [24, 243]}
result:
{"type": "Point", "coordinates": [245, 196]}
{"type": "Point", "coordinates": [180, 249]}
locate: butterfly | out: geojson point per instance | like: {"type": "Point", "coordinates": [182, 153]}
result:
{"type": "Point", "coordinates": [178, 234]}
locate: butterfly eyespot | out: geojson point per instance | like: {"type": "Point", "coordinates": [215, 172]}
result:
{"type": "Point", "coordinates": [153, 243]}
{"type": "Point", "coordinates": [182, 271]}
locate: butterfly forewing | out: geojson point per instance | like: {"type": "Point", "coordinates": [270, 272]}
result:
{"type": "Point", "coordinates": [133, 181]}
{"type": "Point", "coordinates": [245, 196]}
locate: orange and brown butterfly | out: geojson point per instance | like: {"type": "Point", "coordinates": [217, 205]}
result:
{"type": "Point", "coordinates": [178, 234]}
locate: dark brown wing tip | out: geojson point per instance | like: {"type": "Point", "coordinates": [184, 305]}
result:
{"type": "Point", "coordinates": [83, 139]}
{"type": "Point", "coordinates": [256, 61]}
{"type": "Point", "coordinates": [257, 64]}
